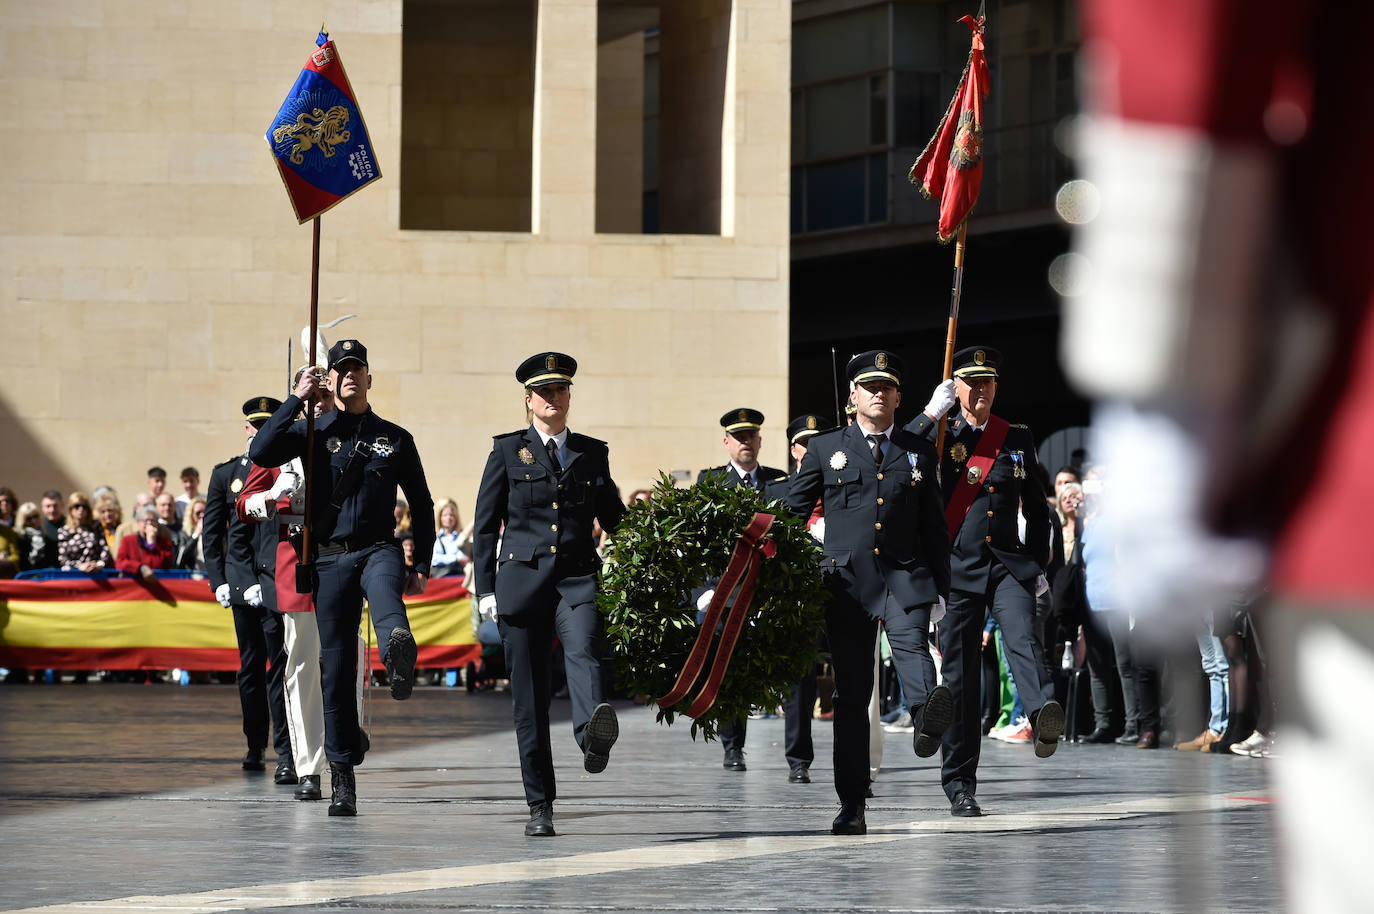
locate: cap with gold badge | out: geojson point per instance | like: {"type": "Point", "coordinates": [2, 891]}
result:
{"type": "Point", "coordinates": [347, 351]}
{"type": "Point", "coordinates": [803, 427]}
{"type": "Point", "coordinates": [546, 368]}
{"type": "Point", "coordinates": [875, 365]}
{"type": "Point", "coordinates": [742, 420]}
{"type": "Point", "coordinates": [977, 362]}
{"type": "Point", "coordinates": [260, 409]}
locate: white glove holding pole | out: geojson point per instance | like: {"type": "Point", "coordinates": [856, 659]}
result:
{"type": "Point", "coordinates": [222, 595]}
{"type": "Point", "coordinates": [252, 595]}
{"type": "Point", "coordinates": [942, 400]}
{"type": "Point", "coordinates": [704, 601]}
{"type": "Point", "coordinates": [486, 606]}
{"type": "Point", "coordinates": [260, 506]}
{"type": "Point", "coordinates": [1042, 585]}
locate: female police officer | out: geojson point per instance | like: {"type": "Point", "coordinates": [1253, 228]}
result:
{"type": "Point", "coordinates": [546, 485]}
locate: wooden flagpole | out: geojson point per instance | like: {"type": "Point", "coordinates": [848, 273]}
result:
{"type": "Point", "coordinates": [953, 325]}
{"type": "Point", "coordinates": [304, 582]}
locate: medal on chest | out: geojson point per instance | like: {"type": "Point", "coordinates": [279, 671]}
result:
{"type": "Point", "coordinates": [1018, 464]}
{"type": "Point", "coordinates": [958, 453]}
{"type": "Point", "coordinates": [333, 444]}
{"type": "Point", "coordinates": [915, 470]}
{"type": "Point", "coordinates": [525, 456]}
{"type": "Point", "coordinates": [838, 460]}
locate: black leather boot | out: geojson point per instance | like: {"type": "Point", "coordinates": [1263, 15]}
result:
{"type": "Point", "coordinates": [344, 789]}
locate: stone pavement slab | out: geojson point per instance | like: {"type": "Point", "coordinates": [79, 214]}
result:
{"type": "Point", "coordinates": [129, 798]}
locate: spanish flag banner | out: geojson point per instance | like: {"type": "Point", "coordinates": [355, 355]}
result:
{"type": "Point", "coordinates": [318, 137]}
{"type": "Point", "coordinates": [124, 624]}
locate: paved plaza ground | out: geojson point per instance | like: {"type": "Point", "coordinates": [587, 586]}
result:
{"type": "Point", "coordinates": [117, 798]}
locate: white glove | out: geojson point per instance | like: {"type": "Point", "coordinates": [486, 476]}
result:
{"type": "Point", "coordinates": [1042, 585]}
{"type": "Point", "coordinates": [942, 399]}
{"type": "Point", "coordinates": [285, 485]}
{"type": "Point", "coordinates": [704, 601]}
{"type": "Point", "coordinates": [937, 612]}
{"type": "Point", "coordinates": [258, 505]}
{"type": "Point", "coordinates": [222, 595]}
{"type": "Point", "coordinates": [486, 606]}
{"type": "Point", "coordinates": [818, 530]}
{"type": "Point", "coordinates": [252, 595]}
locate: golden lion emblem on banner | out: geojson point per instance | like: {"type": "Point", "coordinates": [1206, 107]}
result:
{"type": "Point", "coordinates": [967, 150]}
{"type": "Point", "coordinates": [319, 128]}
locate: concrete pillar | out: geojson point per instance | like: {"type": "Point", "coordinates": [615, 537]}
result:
{"type": "Point", "coordinates": [620, 135]}
{"type": "Point", "coordinates": [564, 174]}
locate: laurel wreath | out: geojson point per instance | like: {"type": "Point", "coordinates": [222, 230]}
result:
{"type": "Point", "coordinates": [675, 542]}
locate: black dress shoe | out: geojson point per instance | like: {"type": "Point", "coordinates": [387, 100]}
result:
{"type": "Point", "coordinates": [540, 824]}
{"type": "Point", "coordinates": [400, 663]}
{"type": "Point", "coordinates": [1129, 738]}
{"type": "Point", "coordinates": [603, 729]}
{"type": "Point", "coordinates": [850, 821]}
{"type": "Point", "coordinates": [1047, 728]}
{"type": "Point", "coordinates": [252, 761]}
{"type": "Point", "coordinates": [344, 790]}
{"type": "Point", "coordinates": [1148, 740]}
{"type": "Point", "coordinates": [734, 760]}
{"type": "Point", "coordinates": [1100, 735]}
{"type": "Point", "coordinates": [800, 774]}
{"type": "Point", "coordinates": [965, 806]}
{"type": "Point", "coordinates": [932, 721]}
{"type": "Point", "coordinates": [308, 788]}
{"type": "Point", "coordinates": [286, 772]}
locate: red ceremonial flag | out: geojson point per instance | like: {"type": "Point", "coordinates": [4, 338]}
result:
{"type": "Point", "coordinates": [951, 167]}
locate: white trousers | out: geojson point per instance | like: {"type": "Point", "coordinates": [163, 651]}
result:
{"type": "Point", "coordinates": [304, 698]}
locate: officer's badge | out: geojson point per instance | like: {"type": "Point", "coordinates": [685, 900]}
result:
{"type": "Point", "coordinates": [980, 357]}
{"type": "Point", "coordinates": [383, 447]}
{"type": "Point", "coordinates": [525, 456]}
{"type": "Point", "coordinates": [262, 405]}
{"type": "Point", "coordinates": [916, 476]}
{"type": "Point", "coordinates": [347, 345]}
{"type": "Point", "coordinates": [811, 422]}
{"type": "Point", "coordinates": [958, 453]}
{"type": "Point", "coordinates": [333, 445]}
{"type": "Point", "coordinates": [550, 362]}
{"type": "Point", "coordinates": [880, 360]}
{"type": "Point", "coordinates": [744, 415]}
{"type": "Point", "coordinates": [838, 460]}
{"type": "Point", "coordinates": [235, 486]}
{"type": "Point", "coordinates": [974, 474]}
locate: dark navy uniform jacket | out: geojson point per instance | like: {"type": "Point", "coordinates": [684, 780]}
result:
{"type": "Point", "coordinates": [990, 529]}
{"type": "Point", "coordinates": [236, 553]}
{"type": "Point", "coordinates": [773, 482]}
{"type": "Point", "coordinates": [368, 515]}
{"type": "Point", "coordinates": [884, 527]}
{"type": "Point", "coordinates": [547, 517]}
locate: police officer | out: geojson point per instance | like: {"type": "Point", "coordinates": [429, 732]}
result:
{"type": "Point", "coordinates": [886, 560]}
{"type": "Point", "coordinates": [742, 441]}
{"type": "Point", "coordinates": [238, 560]}
{"type": "Point", "coordinates": [359, 460]}
{"type": "Point", "coordinates": [988, 474]}
{"type": "Point", "coordinates": [547, 486]}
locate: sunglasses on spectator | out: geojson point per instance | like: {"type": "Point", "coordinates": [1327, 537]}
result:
{"type": "Point", "coordinates": [74, 507]}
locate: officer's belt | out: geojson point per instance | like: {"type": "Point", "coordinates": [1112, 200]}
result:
{"type": "Point", "coordinates": [350, 544]}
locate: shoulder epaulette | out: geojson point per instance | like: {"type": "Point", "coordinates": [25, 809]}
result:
{"type": "Point", "coordinates": [587, 438]}
{"type": "Point", "coordinates": [1019, 425]}
{"type": "Point", "coordinates": [507, 434]}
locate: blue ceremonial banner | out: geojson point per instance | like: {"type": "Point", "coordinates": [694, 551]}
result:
{"type": "Point", "coordinates": [318, 137]}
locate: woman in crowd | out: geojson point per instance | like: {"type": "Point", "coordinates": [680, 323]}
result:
{"type": "Point", "coordinates": [147, 551]}
{"type": "Point", "coordinates": [28, 523]}
{"type": "Point", "coordinates": [80, 544]}
{"type": "Point", "coordinates": [403, 519]}
{"type": "Point", "coordinates": [1066, 506]}
{"type": "Point", "coordinates": [192, 554]}
{"type": "Point", "coordinates": [450, 545]}
{"type": "Point", "coordinates": [110, 516]}
{"type": "Point", "coordinates": [8, 503]}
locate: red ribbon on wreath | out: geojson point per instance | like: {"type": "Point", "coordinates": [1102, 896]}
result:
{"type": "Point", "coordinates": [739, 579]}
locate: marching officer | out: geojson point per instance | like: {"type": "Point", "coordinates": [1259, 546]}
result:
{"type": "Point", "coordinates": [742, 442]}
{"type": "Point", "coordinates": [547, 486]}
{"type": "Point", "coordinates": [359, 460]}
{"type": "Point", "coordinates": [988, 474]}
{"type": "Point", "coordinates": [886, 560]}
{"type": "Point", "coordinates": [238, 561]}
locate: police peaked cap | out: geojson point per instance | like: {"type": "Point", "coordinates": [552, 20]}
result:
{"type": "Point", "coordinates": [977, 362]}
{"type": "Point", "coordinates": [546, 368]}
{"type": "Point", "coordinates": [346, 350]}
{"type": "Point", "coordinates": [875, 365]}
{"type": "Point", "coordinates": [803, 427]}
{"type": "Point", "coordinates": [741, 420]}
{"type": "Point", "coordinates": [260, 408]}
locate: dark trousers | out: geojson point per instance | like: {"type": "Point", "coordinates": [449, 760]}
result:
{"type": "Point", "coordinates": [1109, 699]}
{"type": "Point", "coordinates": [1119, 627]}
{"type": "Point", "coordinates": [262, 676]}
{"type": "Point", "coordinates": [798, 748]}
{"type": "Point", "coordinates": [961, 639]}
{"type": "Point", "coordinates": [377, 573]}
{"type": "Point", "coordinates": [528, 638]}
{"type": "Point", "coordinates": [852, 634]}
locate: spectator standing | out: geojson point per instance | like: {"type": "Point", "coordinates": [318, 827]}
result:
{"type": "Point", "coordinates": [157, 482]}
{"type": "Point", "coordinates": [149, 550]}
{"type": "Point", "coordinates": [403, 518]}
{"type": "Point", "coordinates": [191, 556]}
{"type": "Point", "coordinates": [110, 516]}
{"type": "Point", "coordinates": [80, 544]}
{"type": "Point", "coordinates": [53, 520]}
{"type": "Point", "coordinates": [9, 502]}
{"type": "Point", "coordinates": [450, 545]}
{"type": "Point", "coordinates": [190, 486]}
{"type": "Point", "coordinates": [166, 505]}
{"type": "Point", "coordinates": [28, 523]}
{"type": "Point", "coordinates": [11, 551]}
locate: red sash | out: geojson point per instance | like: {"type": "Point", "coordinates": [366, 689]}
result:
{"type": "Point", "coordinates": [982, 459]}
{"type": "Point", "coordinates": [742, 572]}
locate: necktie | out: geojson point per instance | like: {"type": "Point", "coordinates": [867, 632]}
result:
{"type": "Point", "coordinates": [747, 480]}
{"type": "Point", "coordinates": [552, 447]}
{"type": "Point", "coordinates": [877, 443]}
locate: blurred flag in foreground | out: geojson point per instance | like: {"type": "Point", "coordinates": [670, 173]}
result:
{"type": "Point", "coordinates": [318, 137]}
{"type": "Point", "coordinates": [951, 166]}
